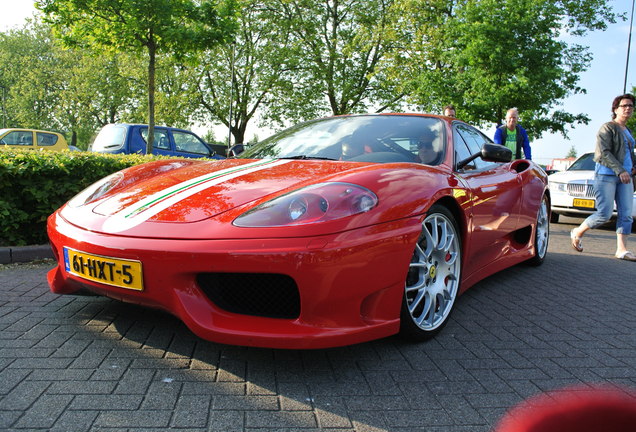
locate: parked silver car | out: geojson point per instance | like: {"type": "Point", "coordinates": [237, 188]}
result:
{"type": "Point", "coordinates": [572, 190]}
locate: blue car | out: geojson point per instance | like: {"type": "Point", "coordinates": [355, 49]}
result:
{"type": "Point", "coordinates": [131, 138]}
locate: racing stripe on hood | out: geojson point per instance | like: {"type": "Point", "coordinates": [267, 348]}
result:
{"type": "Point", "coordinates": [153, 204]}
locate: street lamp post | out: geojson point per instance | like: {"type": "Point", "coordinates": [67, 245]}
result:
{"type": "Point", "coordinates": [229, 132]}
{"type": "Point", "coordinates": [629, 43]}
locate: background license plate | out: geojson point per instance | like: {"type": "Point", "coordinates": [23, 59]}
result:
{"type": "Point", "coordinates": [117, 272]}
{"type": "Point", "coordinates": [585, 203]}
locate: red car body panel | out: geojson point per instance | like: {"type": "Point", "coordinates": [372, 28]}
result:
{"type": "Point", "coordinates": [349, 272]}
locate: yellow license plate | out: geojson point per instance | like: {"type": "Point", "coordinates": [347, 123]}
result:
{"type": "Point", "coordinates": [585, 203]}
{"type": "Point", "coordinates": [117, 272]}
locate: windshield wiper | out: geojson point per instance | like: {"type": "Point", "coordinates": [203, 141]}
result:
{"type": "Point", "coordinates": [305, 157]}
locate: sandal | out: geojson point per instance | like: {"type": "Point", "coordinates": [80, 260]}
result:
{"type": "Point", "coordinates": [577, 244]}
{"type": "Point", "coordinates": [627, 256]}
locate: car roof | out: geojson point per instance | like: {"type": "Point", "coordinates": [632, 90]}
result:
{"type": "Point", "coordinates": [27, 130]}
{"type": "Point", "coordinates": [145, 125]}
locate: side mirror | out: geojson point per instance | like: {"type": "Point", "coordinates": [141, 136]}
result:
{"type": "Point", "coordinates": [490, 153]}
{"type": "Point", "coordinates": [236, 150]}
{"type": "Point", "coordinates": [496, 153]}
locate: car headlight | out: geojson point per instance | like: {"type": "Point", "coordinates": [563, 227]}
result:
{"type": "Point", "coordinates": [558, 187]}
{"type": "Point", "coordinates": [314, 204]}
{"type": "Point", "coordinates": [96, 190]}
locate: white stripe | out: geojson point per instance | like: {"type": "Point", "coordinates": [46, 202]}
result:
{"type": "Point", "coordinates": [121, 222]}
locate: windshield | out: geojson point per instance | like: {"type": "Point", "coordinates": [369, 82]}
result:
{"type": "Point", "coordinates": [109, 138]}
{"type": "Point", "coordinates": [584, 163]}
{"type": "Point", "coordinates": [370, 138]}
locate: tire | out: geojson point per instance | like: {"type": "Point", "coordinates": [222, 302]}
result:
{"type": "Point", "coordinates": [554, 217]}
{"type": "Point", "coordinates": [541, 233]}
{"type": "Point", "coordinates": [432, 282]}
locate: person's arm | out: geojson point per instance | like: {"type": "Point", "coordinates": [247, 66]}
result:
{"type": "Point", "coordinates": [498, 139]}
{"type": "Point", "coordinates": [527, 151]}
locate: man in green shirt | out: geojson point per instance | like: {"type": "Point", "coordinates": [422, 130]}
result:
{"type": "Point", "coordinates": [513, 136]}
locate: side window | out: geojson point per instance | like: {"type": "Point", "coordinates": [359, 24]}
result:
{"type": "Point", "coordinates": [23, 138]}
{"type": "Point", "coordinates": [474, 141]}
{"type": "Point", "coordinates": [187, 142]}
{"type": "Point", "coordinates": [160, 141]}
{"type": "Point", "coordinates": [46, 139]}
{"type": "Point", "coordinates": [461, 149]}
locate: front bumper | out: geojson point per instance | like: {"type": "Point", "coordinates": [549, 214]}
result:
{"type": "Point", "coordinates": [349, 285]}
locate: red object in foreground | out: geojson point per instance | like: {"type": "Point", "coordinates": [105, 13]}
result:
{"type": "Point", "coordinates": [601, 409]}
{"type": "Point", "coordinates": [333, 232]}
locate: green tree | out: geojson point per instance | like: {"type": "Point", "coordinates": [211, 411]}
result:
{"type": "Point", "coordinates": [571, 153]}
{"type": "Point", "coordinates": [489, 55]}
{"type": "Point", "coordinates": [178, 27]}
{"type": "Point", "coordinates": [292, 60]}
{"type": "Point", "coordinates": [67, 90]}
{"type": "Point", "coordinates": [28, 75]}
{"type": "Point", "coordinates": [235, 81]}
{"type": "Point", "coordinates": [339, 47]}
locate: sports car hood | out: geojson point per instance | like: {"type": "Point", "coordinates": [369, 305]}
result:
{"type": "Point", "coordinates": [196, 192]}
{"type": "Point", "coordinates": [140, 201]}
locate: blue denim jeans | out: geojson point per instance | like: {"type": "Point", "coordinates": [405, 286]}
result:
{"type": "Point", "coordinates": [607, 190]}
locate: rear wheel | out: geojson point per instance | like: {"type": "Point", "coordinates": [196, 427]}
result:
{"type": "Point", "coordinates": [541, 233]}
{"type": "Point", "coordinates": [432, 282]}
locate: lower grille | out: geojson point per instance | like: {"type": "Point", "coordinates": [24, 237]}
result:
{"type": "Point", "coordinates": [258, 294]}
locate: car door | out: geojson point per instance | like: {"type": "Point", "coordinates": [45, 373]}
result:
{"type": "Point", "coordinates": [161, 144]}
{"type": "Point", "coordinates": [495, 196]}
{"type": "Point", "coordinates": [187, 144]}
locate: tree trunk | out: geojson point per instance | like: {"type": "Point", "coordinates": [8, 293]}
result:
{"type": "Point", "coordinates": [239, 135]}
{"type": "Point", "coordinates": [152, 51]}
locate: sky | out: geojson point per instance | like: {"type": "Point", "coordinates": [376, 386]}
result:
{"type": "Point", "coordinates": [603, 80]}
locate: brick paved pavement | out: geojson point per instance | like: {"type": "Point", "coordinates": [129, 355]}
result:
{"type": "Point", "coordinates": [92, 364]}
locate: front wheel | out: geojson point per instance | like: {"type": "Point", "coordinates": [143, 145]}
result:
{"type": "Point", "coordinates": [541, 233]}
{"type": "Point", "coordinates": [432, 282]}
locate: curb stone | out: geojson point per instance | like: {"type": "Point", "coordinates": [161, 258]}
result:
{"type": "Point", "coordinates": [21, 254]}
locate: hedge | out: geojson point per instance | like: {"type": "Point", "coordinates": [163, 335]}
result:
{"type": "Point", "coordinates": [35, 184]}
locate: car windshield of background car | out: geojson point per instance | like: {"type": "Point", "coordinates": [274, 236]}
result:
{"type": "Point", "coordinates": [110, 137]}
{"type": "Point", "coordinates": [584, 163]}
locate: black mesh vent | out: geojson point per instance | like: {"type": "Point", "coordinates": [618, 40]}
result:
{"type": "Point", "coordinates": [259, 294]}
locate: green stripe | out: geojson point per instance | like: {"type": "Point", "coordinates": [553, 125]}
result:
{"type": "Point", "coordinates": [213, 176]}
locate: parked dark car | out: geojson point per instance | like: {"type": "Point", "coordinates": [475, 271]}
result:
{"type": "Point", "coordinates": [131, 138]}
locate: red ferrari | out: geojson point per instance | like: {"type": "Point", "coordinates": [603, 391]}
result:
{"type": "Point", "coordinates": [333, 232]}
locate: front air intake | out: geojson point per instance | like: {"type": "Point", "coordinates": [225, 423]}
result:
{"type": "Point", "coordinates": [259, 294]}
